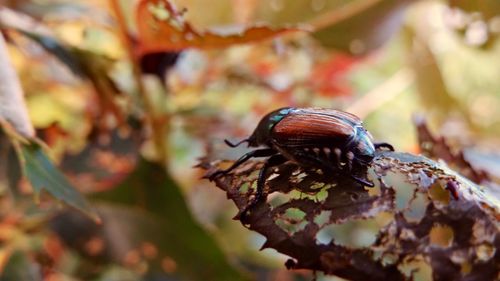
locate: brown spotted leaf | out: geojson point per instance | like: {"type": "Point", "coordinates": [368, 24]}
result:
{"type": "Point", "coordinates": [420, 215]}
{"type": "Point", "coordinates": [161, 27]}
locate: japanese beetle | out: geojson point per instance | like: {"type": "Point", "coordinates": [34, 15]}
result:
{"type": "Point", "coordinates": [327, 139]}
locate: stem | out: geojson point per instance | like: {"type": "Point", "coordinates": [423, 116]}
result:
{"type": "Point", "coordinates": [158, 124]}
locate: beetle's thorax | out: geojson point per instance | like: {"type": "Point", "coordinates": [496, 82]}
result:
{"type": "Point", "coordinates": [362, 146]}
{"type": "Point", "coordinates": [262, 133]}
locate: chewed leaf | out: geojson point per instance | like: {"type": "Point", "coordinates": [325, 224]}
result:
{"type": "Point", "coordinates": [162, 27]}
{"type": "Point", "coordinates": [43, 175]}
{"type": "Point", "coordinates": [417, 209]}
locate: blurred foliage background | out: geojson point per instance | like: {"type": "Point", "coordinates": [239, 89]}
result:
{"type": "Point", "coordinates": [127, 116]}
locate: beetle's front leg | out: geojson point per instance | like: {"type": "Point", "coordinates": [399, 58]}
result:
{"type": "Point", "coordinates": [350, 159]}
{"type": "Point", "coordinates": [274, 160]}
{"type": "Point", "coordinates": [252, 154]}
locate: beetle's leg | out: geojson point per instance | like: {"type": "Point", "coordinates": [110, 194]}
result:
{"type": "Point", "coordinates": [338, 155]}
{"type": "Point", "coordinates": [326, 167]}
{"type": "Point", "coordinates": [315, 161]}
{"type": "Point", "coordinates": [350, 158]}
{"type": "Point", "coordinates": [362, 181]}
{"type": "Point", "coordinates": [235, 144]}
{"type": "Point", "coordinates": [384, 145]}
{"type": "Point", "coordinates": [274, 160]}
{"type": "Point", "coordinates": [255, 153]}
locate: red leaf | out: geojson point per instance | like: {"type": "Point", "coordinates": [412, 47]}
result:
{"type": "Point", "coordinates": [328, 78]}
{"type": "Point", "coordinates": [162, 27]}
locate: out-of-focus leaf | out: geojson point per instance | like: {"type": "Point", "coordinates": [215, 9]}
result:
{"type": "Point", "coordinates": [12, 104]}
{"type": "Point", "coordinates": [161, 27]}
{"type": "Point", "coordinates": [40, 34]}
{"type": "Point", "coordinates": [196, 254]}
{"type": "Point", "coordinates": [85, 63]}
{"type": "Point", "coordinates": [96, 68]}
{"type": "Point", "coordinates": [475, 21]}
{"type": "Point", "coordinates": [487, 8]}
{"type": "Point", "coordinates": [484, 160]}
{"type": "Point", "coordinates": [57, 49]}
{"type": "Point", "coordinates": [354, 26]}
{"type": "Point", "coordinates": [20, 268]}
{"type": "Point", "coordinates": [436, 147]}
{"type": "Point", "coordinates": [326, 78]}
{"type": "Point", "coordinates": [102, 165]}
{"type": "Point", "coordinates": [429, 80]}
{"type": "Point", "coordinates": [367, 29]}
{"type": "Point", "coordinates": [43, 175]}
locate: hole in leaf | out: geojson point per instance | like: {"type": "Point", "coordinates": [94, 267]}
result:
{"type": "Point", "coordinates": [465, 268]}
{"type": "Point", "coordinates": [244, 188]}
{"type": "Point", "coordinates": [439, 194]}
{"type": "Point", "coordinates": [485, 252]}
{"type": "Point", "coordinates": [322, 218]}
{"type": "Point", "coordinates": [276, 199]}
{"type": "Point", "coordinates": [292, 220]}
{"type": "Point", "coordinates": [416, 268]}
{"type": "Point", "coordinates": [416, 210]}
{"type": "Point", "coordinates": [404, 192]}
{"type": "Point", "coordinates": [353, 233]}
{"type": "Point", "coordinates": [441, 235]}
{"type": "Point", "coordinates": [388, 259]}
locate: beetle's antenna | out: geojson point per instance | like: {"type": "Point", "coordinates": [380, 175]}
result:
{"type": "Point", "coordinates": [235, 144]}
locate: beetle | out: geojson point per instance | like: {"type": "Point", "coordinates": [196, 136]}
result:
{"type": "Point", "coordinates": [331, 140]}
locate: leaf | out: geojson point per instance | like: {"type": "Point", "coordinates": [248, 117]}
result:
{"type": "Point", "coordinates": [96, 67]}
{"type": "Point", "coordinates": [437, 148]}
{"type": "Point", "coordinates": [59, 50]}
{"type": "Point", "coordinates": [430, 83]}
{"type": "Point", "coordinates": [419, 209]}
{"type": "Point", "coordinates": [41, 34]}
{"type": "Point", "coordinates": [43, 175]}
{"type": "Point", "coordinates": [84, 63]}
{"type": "Point", "coordinates": [161, 27]}
{"type": "Point", "coordinates": [150, 188]}
{"type": "Point", "coordinates": [475, 21]}
{"type": "Point", "coordinates": [19, 267]}
{"type": "Point", "coordinates": [367, 29]}
{"type": "Point", "coordinates": [12, 104]}
{"type": "Point", "coordinates": [354, 26]}
{"type": "Point", "coordinates": [487, 8]}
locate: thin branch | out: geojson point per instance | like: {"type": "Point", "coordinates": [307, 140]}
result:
{"type": "Point", "coordinates": [159, 124]}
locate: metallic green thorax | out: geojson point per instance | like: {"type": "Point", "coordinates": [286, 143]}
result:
{"type": "Point", "coordinates": [261, 134]}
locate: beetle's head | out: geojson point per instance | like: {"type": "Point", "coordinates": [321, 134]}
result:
{"type": "Point", "coordinates": [262, 133]}
{"type": "Point", "coordinates": [363, 149]}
